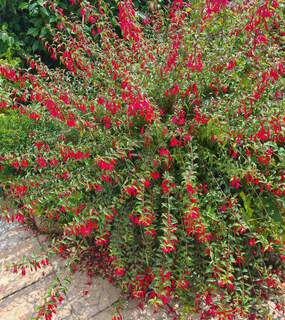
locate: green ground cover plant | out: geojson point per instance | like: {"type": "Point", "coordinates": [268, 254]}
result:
{"type": "Point", "coordinates": [154, 146]}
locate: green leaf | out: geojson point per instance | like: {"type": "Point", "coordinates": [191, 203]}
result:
{"type": "Point", "coordinates": [246, 204]}
{"type": "Point", "coordinates": [33, 31]}
{"type": "Point", "coordinates": [36, 45]}
{"type": "Point", "coordinates": [23, 5]}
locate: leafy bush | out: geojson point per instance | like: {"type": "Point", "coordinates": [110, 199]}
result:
{"type": "Point", "coordinates": [158, 149]}
{"type": "Point", "coordinates": [25, 23]}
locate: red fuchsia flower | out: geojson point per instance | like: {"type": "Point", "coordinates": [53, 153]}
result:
{"type": "Point", "coordinates": [195, 63]}
{"type": "Point", "coordinates": [145, 219]}
{"type": "Point", "coordinates": [41, 162]}
{"type": "Point", "coordinates": [21, 191]}
{"type": "Point", "coordinates": [20, 217]}
{"type": "Point", "coordinates": [60, 26]}
{"type": "Point", "coordinates": [107, 122]}
{"type": "Point", "coordinates": [263, 134]}
{"type": "Point", "coordinates": [252, 242]}
{"type": "Point", "coordinates": [23, 272]}
{"type": "Point", "coordinates": [164, 299]}
{"type": "Point", "coordinates": [164, 152]}
{"type": "Point", "coordinates": [39, 145]}
{"type": "Point", "coordinates": [183, 284]}
{"type": "Point", "coordinates": [187, 138]}
{"type": "Point", "coordinates": [102, 241]}
{"type": "Point", "coordinates": [180, 118]}
{"type": "Point", "coordinates": [234, 154]}
{"type": "Point", "coordinates": [106, 166]}
{"type": "Point", "coordinates": [263, 160]}
{"type": "Point", "coordinates": [235, 183]}
{"type": "Point", "coordinates": [270, 282]}
{"type": "Point", "coordinates": [231, 287]}
{"type": "Point", "coordinates": [82, 12]}
{"type": "Point", "coordinates": [119, 272]}
{"type": "Point", "coordinates": [150, 232]}
{"type": "Point", "coordinates": [231, 65]}
{"type": "Point", "coordinates": [200, 118]}
{"type": "Point", "coordinates": [155, 163]}
{"type": "Point", "coordinates": [168, 247]}
{"type": "Point", "coordinates": [127, 21]}
{"type": "Point", "coordinates": [92, 19]}
{"type": "Point", "coordinates": [147, 184]}
{"type": "Point", "coordinates": [44, 262]}
{"type": "Point", "coordinates": [260, 39]}
{"type": "Point", "coordinates": [214, 6]}
{"type": "Point", "coordinates": [34, 116]}
{"type": "Point", "coordinates": [174, 142]}
{"type": "Point", "coordinates": [71, 122]}
{"type": "Point", "coordinates": [132, 191]}
{"type": "Point", "coordinates": [106, 178]}
{"type": "Point", "coordinates": [194, 214]}
{"type": "Point", "coordinates": [9, 74]}
{"type": "Point", "coordinates": [190, 189]}
{"type": "Point", "coordinates": [242, 230]}
{"type": "Point", "coordinates": [15, 164]}
{"type": "Point", "coordinates": [64, 98]}
{"type": "Point", "coordinates": [53, 162]}
{"type": "Point", "coordinates": [97, 187]}
{"type": "Point", "coordinates": [175, 90]}
{"type": "Point", "coordinates": [223, 208]}
{"type": "Point", "coordinates": [3, 104]}
{"type": "Point", "coordinates": [166, 186]}
{"type": "Point", "coordinates": [134, 219]}
{"type": "Point", "coordinates": [155, 175]}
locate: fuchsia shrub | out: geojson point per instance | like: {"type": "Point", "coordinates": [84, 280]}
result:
{"type": "Point", "coordinates": [157, 149]}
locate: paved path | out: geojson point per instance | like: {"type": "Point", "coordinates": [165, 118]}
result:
{"type": "Point", "coordinates": [19, 295]}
